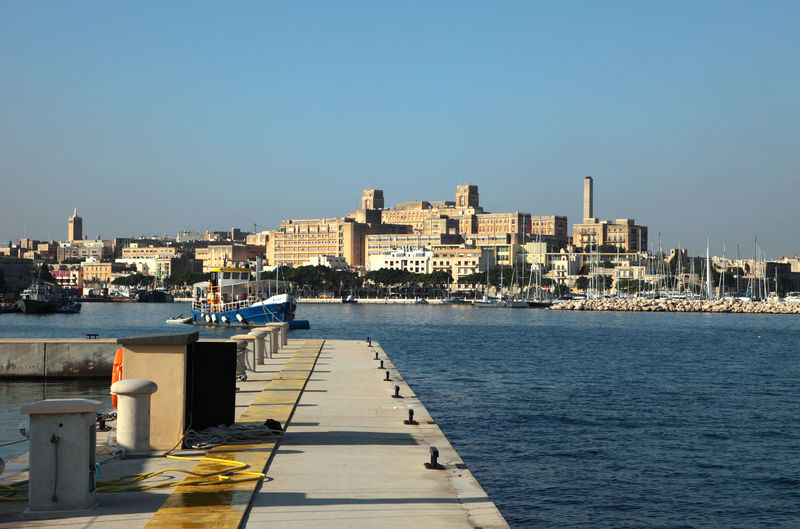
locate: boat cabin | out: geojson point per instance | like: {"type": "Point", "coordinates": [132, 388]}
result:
{"type": "Point", "coordinates": [226, 285]}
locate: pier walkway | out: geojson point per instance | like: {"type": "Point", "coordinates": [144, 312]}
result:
{"type": "Point", "coordinates": [347, 459]}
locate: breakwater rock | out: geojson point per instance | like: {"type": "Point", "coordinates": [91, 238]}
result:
{"type": "Point", "coordinates": [679, 305]}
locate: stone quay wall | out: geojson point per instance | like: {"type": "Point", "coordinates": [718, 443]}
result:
{"type": "Point", "coordinates": [56, 358]}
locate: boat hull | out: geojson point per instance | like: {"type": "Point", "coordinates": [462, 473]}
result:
{"type": "Point", "coordinates": [252, 315]}
{"type": "Point", "coordinates": [31, 306]}
{"type": "Point", "coordinates": [154, 296]}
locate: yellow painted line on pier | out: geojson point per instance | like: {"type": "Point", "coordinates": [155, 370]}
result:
{"type": "Point", "coordinates": [225, 505]}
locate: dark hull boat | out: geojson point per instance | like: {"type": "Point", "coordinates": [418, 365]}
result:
{"type": "Point", "coordinates": [33, 306]}
{"type": "Point", "coordinates": [154, 296]}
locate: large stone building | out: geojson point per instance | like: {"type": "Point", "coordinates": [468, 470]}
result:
{"type": "Point", "coordinates": [386, 242]}
{"type": "Point", "coordinates": [85, 249]}
{"type": "Point", "coordinates": [414, 261]}
{"type": "Point", "coordinates": [374, 229]}
{"type": "Point", "coordinates": [464, 216]}
{"type": "Point", "coordinates": [222, 255]}
{"type": "Point", "coordinates": [461, 260]}
{"type": "Point", "coordinates": [297, 241]}
{"type": "Point", "coordinates": [149, 252]}
{"type": "Point", "coordinates": [625, 234]}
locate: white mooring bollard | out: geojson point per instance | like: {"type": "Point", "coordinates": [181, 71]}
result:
{"type": "Point", "coordinates": [133, 413]}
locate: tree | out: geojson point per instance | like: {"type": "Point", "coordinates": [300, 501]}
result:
{"type": "Point", "coordinates": [582, 283]}
{"type": "Point", "coordinates": [134, 280]}
{"type": "Point", "coordinates": [186, 278]}
{"type": "Point", "coordinates": [560, 289]}
{"type": "Point", "coordinates": [609, 248]}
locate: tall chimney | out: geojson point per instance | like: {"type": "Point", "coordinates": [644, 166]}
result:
{"type": "Point", "coordinates": [588, 209]}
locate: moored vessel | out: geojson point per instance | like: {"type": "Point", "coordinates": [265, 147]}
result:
{"type": "Point", "coordinates": [41, 296]}
{"type": "Point", "coordinates": [231, 298]}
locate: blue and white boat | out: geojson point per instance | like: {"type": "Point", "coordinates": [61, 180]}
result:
{"type": "Point", "coordinates": [231, 298]}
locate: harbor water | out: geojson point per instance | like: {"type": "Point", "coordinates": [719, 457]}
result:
{"type": "Point", "coordinates": [567, 419]}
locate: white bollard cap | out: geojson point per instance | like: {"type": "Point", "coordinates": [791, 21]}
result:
{"type": "Point", "coordinates": [133, 387]}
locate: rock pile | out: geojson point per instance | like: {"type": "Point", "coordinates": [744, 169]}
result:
{"type": "Point", "coordinates": [679, 305]}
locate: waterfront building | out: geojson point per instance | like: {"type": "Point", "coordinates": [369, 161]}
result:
{"type": "Point", "coordinates": [85, 249]}
{"type": "Point", "coordinates": [464, 216]}
{"type": "Point", "coordinates": [564, 267]}
{"type": "Point", "coordinates": [297, 241]}
{"type": "Point", "coordinates": [136, 252]}
{"type": "Point", "coordinates": [539, 251]}
{"type": "Point", "coordinates": [552, 226]}
{"type": "Point", "coordinates": [331, 261]}
{"type": "Point", "coordinates": [517, 225]}
{"type": "Point", "coordinates": [221, 255]}
{"type": "Point", "coordinates": [257, 239]}
{"type": "Point", "coordinates": [377, 244]}
{"type": "Point", "coordinates": [71, 278]}
{"type": "Point", "coordinates": [625, 234]}
{"type": "Point", "coordinates": [460, 260]}
{"type": "Point", "coordinates": [31, 249]}
{"type": "Point", "coordinates": [414, 261]}
{"type": "Point", "coordinates": [75, 227]}
{"type": "Point", "coordinates": [102, 273]}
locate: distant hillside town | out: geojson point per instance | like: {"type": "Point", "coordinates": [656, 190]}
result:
{"type": "Point", "coordinates": [457, 240]}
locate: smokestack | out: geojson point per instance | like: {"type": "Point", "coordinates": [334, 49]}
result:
{"type": "Point", "coordinates": [588, 199]}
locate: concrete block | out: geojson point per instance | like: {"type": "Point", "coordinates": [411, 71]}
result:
{"type": "Point", "coordinates": [21, 358]}
{"type": "Point", "coordinates": [62, 454]}
{"type": "Point", "coordinates": [79, 358]}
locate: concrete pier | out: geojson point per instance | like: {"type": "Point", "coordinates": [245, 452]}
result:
{"type": "Point", "coordinates": [347, 459]}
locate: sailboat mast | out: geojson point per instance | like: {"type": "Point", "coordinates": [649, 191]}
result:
{"type": "Point", "coordinates": [709, 287]}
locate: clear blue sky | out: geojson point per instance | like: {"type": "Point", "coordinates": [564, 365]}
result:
{"type": "Point", "coordinates": [155, 117]}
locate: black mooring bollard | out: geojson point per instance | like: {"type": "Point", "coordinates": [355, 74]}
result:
{"type": "Point", "coordinates": [376, 355]}
{"type": "Point", "coordinates": [434, 463]}
{"type": "Point", "coordinates": [410, 419]}
{"type": "Point", "coordinates": [387, 379]}
{"type": "Point", "coordinates": [369, 342]}
{"type": "Point", "coordinates": [396, 392]}
{"type": "Point", "coordinates": [381, 366]}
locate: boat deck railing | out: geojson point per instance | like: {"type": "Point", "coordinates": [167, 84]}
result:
{"type": "Point", "coordinates": [205, 306]}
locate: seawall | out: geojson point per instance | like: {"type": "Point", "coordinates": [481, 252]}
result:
{"type": "Point", "coordinates": [56, 358]}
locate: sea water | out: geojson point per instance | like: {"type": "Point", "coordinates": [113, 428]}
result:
{"type": "Point", "coordinates": [567, 419]}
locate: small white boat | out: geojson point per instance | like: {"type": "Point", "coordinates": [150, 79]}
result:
{"type": "Point", "coordinates": [792, 297]}
{"type": "Point", "coordinates": [179, 319]}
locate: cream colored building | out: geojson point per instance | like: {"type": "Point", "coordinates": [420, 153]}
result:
{"type": "Point", "coordinates": [102, 273]}
{"type": "Point", "coordinates": [222, 255]}
{"type": "Point", "coordinates": [297, 241]}
{"type": "Point", "coordinates": [625, 234]}
{"type": "Point", "coordinates": [85, 249]}
{"type": "Point", "coordinates": [330, 261]}
{"type": "Point", "coordinates": [460, 260]}
{"type": "Point", "coordinates": [550, 226]}
{"type": "Point", "coordinates": [622, 233]}
{"type": "Point", "coordinates": [414, 261]}
{"type": "Point", "coordinates": [381, 243]}
{"type": "Point", "coordinates": [149, 252]}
